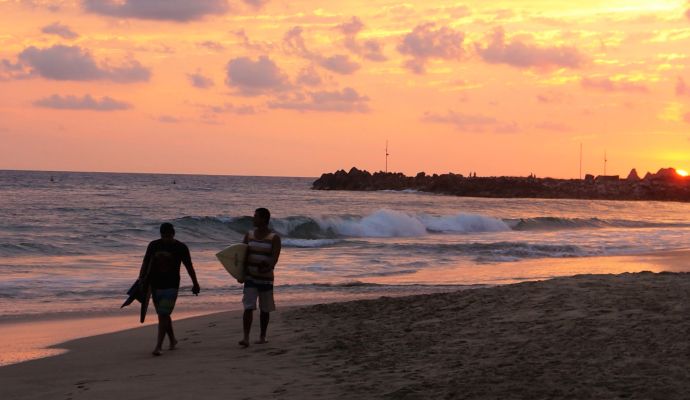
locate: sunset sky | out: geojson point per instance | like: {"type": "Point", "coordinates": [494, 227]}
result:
{"type": "Point", "coordinates": [301, 87]}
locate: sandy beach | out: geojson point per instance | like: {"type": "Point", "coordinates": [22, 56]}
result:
{"type": "Point", "coordinates": [582, 337]}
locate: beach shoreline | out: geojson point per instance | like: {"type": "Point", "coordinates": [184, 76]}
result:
{"type": "Point", "coordinates": [32, 337]}
{"type": "Point", "coordinates": [536, 339]}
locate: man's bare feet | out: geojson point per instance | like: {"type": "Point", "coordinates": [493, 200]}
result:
{"type": "Point", "coordinates": [173, 345]}
{"type": "Point", "coordinates": [244, 343]}
{"type": "Point", "coordinates": [156, 351]}
{"type": "Point", "coordinates": [261, 341]}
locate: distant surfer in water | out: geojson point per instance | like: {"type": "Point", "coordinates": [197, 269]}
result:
{"type": "Point", "coordinates": [161, 271]}
{"type": "Point", "coordinates": [263, 250]}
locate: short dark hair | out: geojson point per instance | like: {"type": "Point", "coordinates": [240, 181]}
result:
{"type": "Point", "coordinates": [263, 213]}
{"type": "Point", "coordinates": [167, 229]}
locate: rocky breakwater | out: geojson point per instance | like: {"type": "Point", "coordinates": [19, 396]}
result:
{"type": "Point", "coordinates": [664, 185]}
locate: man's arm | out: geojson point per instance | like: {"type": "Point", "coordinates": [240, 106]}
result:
{"type": "Point", "coordinates": [145, 263]}
{"type": "Point", "coordinates": [276, 250]}
{"type": "Point", "coordinates": [187, 261]}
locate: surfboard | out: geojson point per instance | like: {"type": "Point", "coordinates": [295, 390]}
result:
{"type": "Point", "coordinates": [145, 305]}
{"type": "Point", "coordinates": [232, 258]}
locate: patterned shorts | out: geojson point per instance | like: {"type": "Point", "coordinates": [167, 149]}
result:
{"type": "Point", "coordinates": [164, 300]}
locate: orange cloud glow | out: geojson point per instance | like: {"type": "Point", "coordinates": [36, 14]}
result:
{"type": "Point", "coordinates": [508, 87]}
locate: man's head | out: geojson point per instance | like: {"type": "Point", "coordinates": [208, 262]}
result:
{"type": "Point", "coordinates": [261, 217]}
{"type": "Point", "coordinates": [167, 230]}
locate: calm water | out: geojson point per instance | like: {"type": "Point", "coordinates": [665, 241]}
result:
{"type": "Point", "coordinates": [74, 244]}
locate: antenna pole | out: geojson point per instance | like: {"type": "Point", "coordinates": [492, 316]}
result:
{"type": "Point", "coordinates": [580, 160]}
{"type": "Point", "coordinates": [605, 160]}
{"type": "Point", "coordinates": [387, 156]}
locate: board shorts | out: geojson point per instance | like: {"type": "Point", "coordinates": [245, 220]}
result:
{"type": "Point", "coordinates": [263, 292]}
{"type": "Point", "coordinates": [164, 300]}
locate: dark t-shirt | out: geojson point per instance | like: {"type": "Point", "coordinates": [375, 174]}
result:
{"type": "Point", "coordinates": [165, 258]}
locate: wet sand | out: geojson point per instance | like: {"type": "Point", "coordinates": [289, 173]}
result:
{"type": "Point", "coordinates": [582, 337]}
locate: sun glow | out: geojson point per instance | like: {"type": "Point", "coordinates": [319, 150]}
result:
{"type": "Point", "coordinates": [681, 172]}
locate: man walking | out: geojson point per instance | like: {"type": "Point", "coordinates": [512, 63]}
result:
{"type": "Point", "coordinates": [263, 250]}
{"type": "Point", "coordinates": [161, 271]}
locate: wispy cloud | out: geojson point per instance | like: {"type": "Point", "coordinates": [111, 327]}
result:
{"type": "Point", "coordinates": [162, 10]}
{"type": "Point", "coordinates": [294, 43]}
{"type": "Point", "coordinates": [339, 63]}
{"type": "Point", "coordinates": [200, 81]}
{"type": "Point", "coordinates": [87, 102]}
{"type": "Point", "coordinates": [368, 49]}
{"type": "Point", "coordinates": [471, 123]}
{"type": "Point", "coordinates": [72, 63]}
{"type": "Point", "coordinates": [61, 30]}
{"type": "Point", "coordinates": [425, 43]}
{"type": "Point", "coordinates": [608, 85]}
{"type": "Point", "coordinates": [526, 55]}
{"type": "Point", "coordinates": [257, 4]}
{"type": "Point", "coordinates": [309, 76]}
{"type": "Point", "coordinates": [211, 45]}
{"type": "Point", "coordinates": [345, 101]}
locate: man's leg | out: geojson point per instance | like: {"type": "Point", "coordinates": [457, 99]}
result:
{"type": "Point", "coordinates": [265, 317]}
{"type": "Point", "coordinates": [171, 334]}
{"type": "Point", "coordinates": [247, 319]}
{"type": "Point", "coordinates": [162, 330]}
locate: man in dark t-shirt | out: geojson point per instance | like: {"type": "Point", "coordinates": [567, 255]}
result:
{"type": "Point", "coordinates": [160, 270]}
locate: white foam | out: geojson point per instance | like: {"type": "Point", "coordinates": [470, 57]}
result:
{"type": "Point", "coordinates": [389, 223]}
{"type": "Point", "coordinates": [309, 243]}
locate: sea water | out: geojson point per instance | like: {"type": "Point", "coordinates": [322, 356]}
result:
{"type": "Point", "coordinates": [73, 242]}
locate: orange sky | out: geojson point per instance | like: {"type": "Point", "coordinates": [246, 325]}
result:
{"type": "Point", "coordinates": [300, 87]}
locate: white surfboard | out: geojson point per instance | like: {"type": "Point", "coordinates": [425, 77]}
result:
{"type": "Point", "coordinates": [232, 258]}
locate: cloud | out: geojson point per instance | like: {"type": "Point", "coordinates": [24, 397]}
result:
{"type": "Point", "coordinates": [553, 127]}
{"type": "Point", "coordinates": [369, 49]}
{"type": "Point", "coordinates": [687, 118]}
{"type": "Point", "coordinates": [248, 44]}
{"type": "Point", "coordinates": [339, 63]}
{"type": "Point", "coordinates": [608, 85]}
{"type": "Point", "coordinates": [294, 43]}
{"type": "Point", "coordinates": [471, 123]}
{"type": "Point", "coordinates": [525, 55]}
{"type": "Point", "coordinates": [681, 88]}
{"type": "Point", "coordinates": [256, 77]}
{"type": "Point", "coordinates": [168, 119]}
{"type": "Point", "coordinates": [162, 10]}
{"type": "Point", "coordinates": [552, 98]}
{"type": "Point", "coordinates": [346, 101]}
{"type": "Point", "coordinates": [81, 103]}
{"type": "Point", "coordinates": [211, 45]}
{"type": "Point", "coordinates": [199, 81]}
{"type": "Point", "coordinates": [687, 13]}
{"type": "Point", "coordinates": [227, 108]}
{"type": "Point", "coordinates": [50, 5]}
{"type": "Point", "coordinates": [308, 76]}
{"type": "Point", "coordinates": [72, 63]}
{"type": "Point", "coordinates": [425, 43]}
{"type": "Point", "coordinates": [63, 31]}
{"type": "Point", "coordinates": [257, 4]}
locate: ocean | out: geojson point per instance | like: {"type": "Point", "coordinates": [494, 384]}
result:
{"type": "Point", "coordinates": [72, 243]}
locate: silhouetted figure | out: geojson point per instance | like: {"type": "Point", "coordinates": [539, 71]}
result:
{"type": "Point", "coordinates": [262, 256]}
{"type": "Point", "coordinates": [160, 270]}
{"type": "Point", "coordinates": [52, 179]}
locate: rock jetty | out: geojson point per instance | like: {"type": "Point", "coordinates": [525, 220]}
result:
{"type": "Point", "coordinates": [665, 185]}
